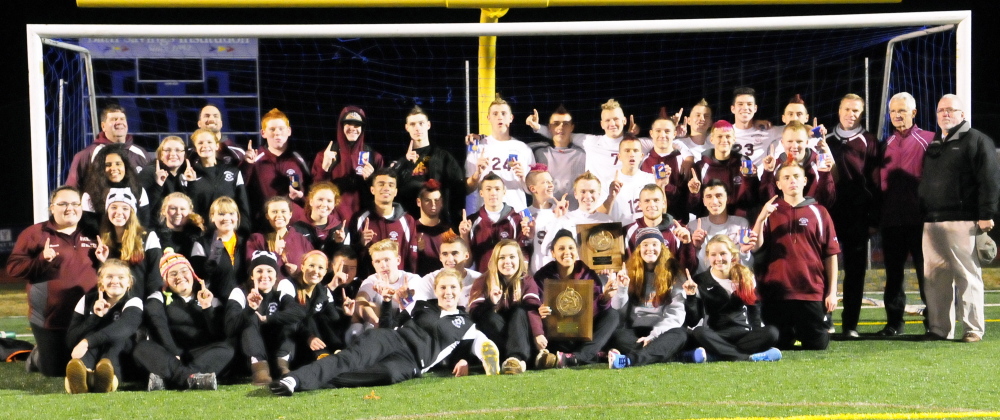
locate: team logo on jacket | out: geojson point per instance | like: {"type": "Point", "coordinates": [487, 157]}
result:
{"type": "Point", "coordinates": [737, 180]}
{"type": "Point", "coordinates": [117, 315]}
{"type": "Point", "coordinates": [803, 221]}
{"type": "Point", "coordinates": [319, 307]}
{"type": "Point", "coordinates": [504, 235]}
{"type": "Point", "coordinates": [229, 176]}
{"type": "Point", "coordinates": [541, 236]}
{"type": "Point", "coordinates": [394, 236]}
{"type": "Point", "coordinates": [272, 308]}
{"type": "Point", "coordinates": [290, 172]}
{"type": "Point", "coordinates": [458, 322]}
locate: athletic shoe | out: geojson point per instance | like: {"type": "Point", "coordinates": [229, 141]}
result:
{"type": "Point", "coordinates": [771, 355]}
{"type": "Point", "coordinates": [155, 383]}
{"type": "Point", "coordinates": [566, 360]}
{"type": "Point", "coordinates": [617, 360]}
{"type": "Point", "coordinates": [491, 358]}
{"type": "Point", "coordinates": [205, 381]}
{"type": "Point", "coordinates": [30, 364]}
{"type": "Point", "coordinates": [851, 334]}
{"type": "Point", "coordinates": [888, 332]}
{"type": "Point", "coordinates": [282, 388]}
{"type": "Point", "coordinates": [514, 366]}
{"type": "Point", "coordinates": [76, 377]}
{"type": "Point", "coordinates": [699, 355]}
{"type": "Point", "coordinates": [104, 377]}
{"type": "Point", "coordinates": [929, 336]}
{"type": "Point", "coordinates": [971, 337]}
{"type": "Point", "coordinates": [546, 360]}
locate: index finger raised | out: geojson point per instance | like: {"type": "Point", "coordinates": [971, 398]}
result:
{"type": "Point", "coordinates": [329, 147]}
{"type": "Point", "coordinates": [694, 174]}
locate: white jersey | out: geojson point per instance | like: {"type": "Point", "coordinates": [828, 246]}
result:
{"type": "Point", "coordinates": [693, 149]}
{"type": "Point", "coordinates": [626, 207]}
{"type": "Point", "coordinates": [424, 289]}
{"type": "Point", "coordinates": [498, 153]}
{"type": "Point", "coordinates": [755, 143]}
{"type": "Point", "coordinates": [367, 288]}
{"type": "Point", "coordinates": [544, 218]}
{"type": "Point", "coordinates": [731, 229]}
{"type": "Point", "coordinates": [568, 222]}
{"type": "Point", "coordinates": [602, 153]}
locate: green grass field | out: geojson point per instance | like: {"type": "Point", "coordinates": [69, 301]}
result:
{"type": "Point", "coordinates": [864, 379]}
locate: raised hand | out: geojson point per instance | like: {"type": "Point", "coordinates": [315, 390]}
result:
{"type": "Point", "coordinates": [483, 163]}
{"type": "Point", "coordinates": [279, 244]}
{"type": "Point", "coordinates": [294, 194]}
{"type": "Point", "coordinates": [527, 226]}
{"type": "Point", "coordinates": [632, 127]}
{"type": "Point", "coordinates": [340, 235]}
{"type": "Point", "coordinates": [48, 253]}
{"type": "Point", "coordinates": [676, 118]}
{"type": "Point", "coordinates": [205, 296]}
{"type": "Point", "coordinates": [770, 163]}
{"type": "Point", "coordinates": [690, 287]}
{"type": "Point", "coordinates": [532, 120]}
{"type": "Point", "coordinates": [698, 236]}
{"type": "Point", "coordinates": [615, 187]}
{"type": "Point", "coordinates": [465, 226]}
{"type": "Point", "coordinates": [329, 157]}
{"type": "Point", "coordinates": [348, 305]}
{"type": "Point", "coordinates": [520, 169]}
{"type": "Point", "coordinates": [367, 235]}
{"type": "Point", "coordinates": [681, 233]}
{"type": "Point", "coordinates": [822, 128]}
{"type": "Point", "coordinates": [189, 173]}
{"type": "Point", "coordinates": [411, 155]}
{"type": "Point", "coordinates": [161, 174]}
{"type": "Point", "coordinates": [694, 185]}
{"type": "Point", "coordinates": [827, 164]}
{"type": "Point", "coordinates": [752, 240]}
{"type": "Point", "coordinates": [102, 250]}
{"type": "Point", "coordinates": [681, 130]}
{"type": "Point", "coordinates": [562, 206]}
{"type": "Point", "coordinates": [404, 294]}
{"type": "Point", "coordinates": [367, 170]}
{"type": "Point", "coordinates": [495, 295]}
{"type": "Point", "coordinates": [101, 306]}
{"type": "Point", "coordinates": [251, 155]}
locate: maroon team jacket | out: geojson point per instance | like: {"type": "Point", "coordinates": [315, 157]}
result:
{"type": "Point", "coordinates": [796, 241]}
{"type": "Point", "coordinates": [399, 226]}
{"type": "Point", "coordinates": [485, 234]}
{"type": "Point", "coordinates": [81, 161]}
{"type": "Point", "coordinates": [296, 245]}
{"type": "Point", "coordinates": [742, 188]}
{"type": "Point", "coordinates": [676, 190]}
{"type": "Point", "coordinates": [270, 176]}
{"type": "Point", "coordinates": [819, 185]}
{"type": "Point", "coordinates": [54, 287]}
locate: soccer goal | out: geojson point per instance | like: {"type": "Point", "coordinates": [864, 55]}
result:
{"type": "Point", "coordinates": [312, 71]}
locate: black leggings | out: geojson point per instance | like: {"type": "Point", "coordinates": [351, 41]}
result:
{"type": "Point", "coordinates": [51, 350]}
{"type": "Point", "coordinates": [509, 329]}
{"type": "Point", "coordinates": [380, 357]}
{"type": "Point", "coordinates": [662, 349]}
{"type": "Point", "coordinates": [605, 325]}
{"type": "Point", "coordinates": [152, 356]}
{"type": "Point", "coordinates": [735, 343]}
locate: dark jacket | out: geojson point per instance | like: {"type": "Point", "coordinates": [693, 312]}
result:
{"type": "Point", "coordinates": [963, 177]}
{"type": "Point", "coordinates": [722, 310]}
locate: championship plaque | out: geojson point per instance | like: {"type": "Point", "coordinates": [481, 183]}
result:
{"type": "Point", "coordinates": [572, 303]}
{"type": "Point", "coordinates": [601, 245]}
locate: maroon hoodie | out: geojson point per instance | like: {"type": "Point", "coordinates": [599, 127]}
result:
{"type": "Point", "coordinates": [797, 240]}
{"type": "Point", "coordinates": [81, 161]}
{"type": "Point", "coordinates": [345, 171]}
{"type": "Point", "coordinates": [676, 190]}
{"type": "Point", "coordinates": [270, 175]}
{"type": "Point", "coordinates": [54, 287]}
{"type": "Point", "coordinates": [819, 185]}
{"type": "Point", "coordinates": [742, 188]}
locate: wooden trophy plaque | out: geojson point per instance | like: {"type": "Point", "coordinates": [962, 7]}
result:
{"type": "Point", "coordinates": [572, 303]}
{"type": "Point", "coordinates": [601, 245]}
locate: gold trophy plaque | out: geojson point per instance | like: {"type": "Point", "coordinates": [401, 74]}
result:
{"type": "Point", "coordinates": [572, 303]}
{"type": "Point", "coordinates": [601, 245]}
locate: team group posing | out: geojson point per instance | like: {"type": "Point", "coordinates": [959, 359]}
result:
{"type": "Point", "coordinates": [211, 260]}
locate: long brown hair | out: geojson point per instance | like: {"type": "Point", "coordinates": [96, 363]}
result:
{"type": "Point", "coordinates": [132, 249]}
{"type": "Point", "coordinates": [512, 287]}
{"type": "Point", "coordinates": [663, 276]}
{"type": "Point", "coordinates": [744, 284]}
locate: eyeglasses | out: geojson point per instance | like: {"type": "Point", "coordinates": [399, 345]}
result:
{"type": "Point", "coordinates": [944, 111]}
{"type": "Point", "coordinates": [65, 204]}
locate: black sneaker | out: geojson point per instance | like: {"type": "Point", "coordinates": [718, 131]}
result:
{"type": "Point", "coordinates": [282, 388]}
{"type": "Point", "coordinates": [205, 381]}
{"type": "Point", "coordinates": [888, 332]}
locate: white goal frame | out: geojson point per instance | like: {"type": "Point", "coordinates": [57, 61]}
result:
{"type": "Point", "coordinates": [39, 156]}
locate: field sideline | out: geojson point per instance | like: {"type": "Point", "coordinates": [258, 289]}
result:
{"type": "Point", "coordinates": [864, 379]}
